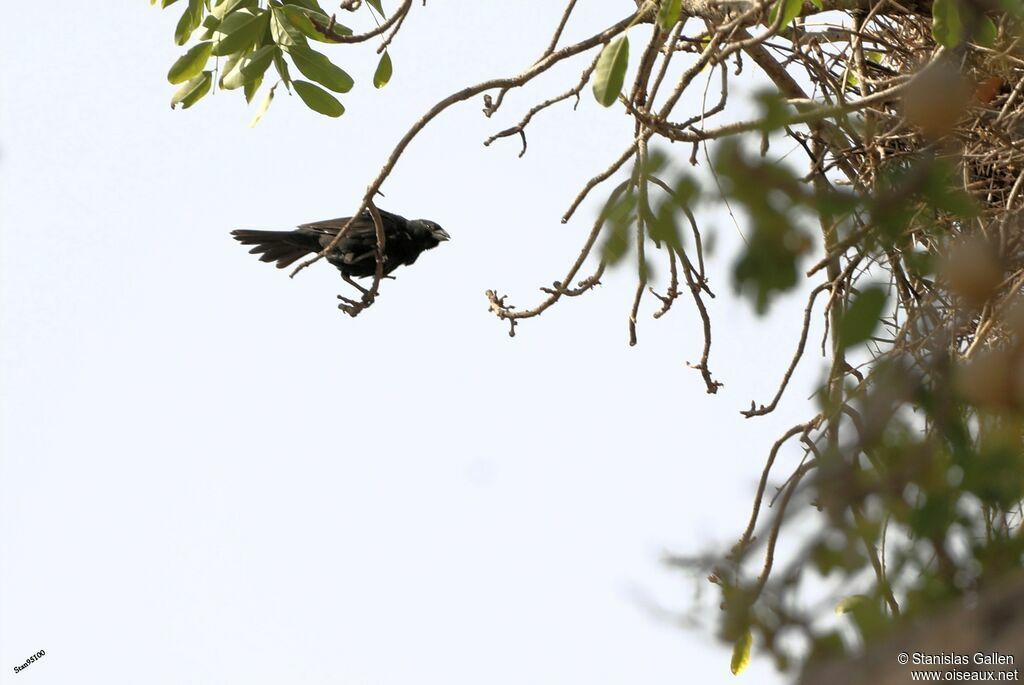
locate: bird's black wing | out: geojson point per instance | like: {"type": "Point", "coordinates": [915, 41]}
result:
{"type": "Point", "coordinates": [330, 228]}
{"type": "Point", "coordinates": [362, 228]}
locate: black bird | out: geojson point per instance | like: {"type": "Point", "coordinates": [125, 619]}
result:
{"type": "Point", "coordinates": [355, 255]}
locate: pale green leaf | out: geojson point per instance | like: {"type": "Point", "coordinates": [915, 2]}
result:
{"type": "Point", "coordinates": [225, 8]}
{"type": "Point", "coordinates": [668, 13]}
{"type": "Point", "coordinates": [190, 93]}
{"type": "Point", "coordinates": [191, 64]}
{"type": "Point", "coordinates": [229, 66]}
{"type": "Point", "coordinates": [283, 32]}
{"type": "Point", "coordinates": [242, 29]}
{"type": "Point", "coordinates": [741, 653]}
{"type": "Point", "coordinates": [847, 604]}
{"type": "Point", "coordinates": [790, 10]}
{"type": "Point", "coordinates": [314, 24]}
{"type": "Point", "coordinates": [189, 22]}
{"type": "Point", "coordinates": [610, 73]}
{"type": "Point", "coordinates": [946, 27]}
{"type": "Point", "coordinates": [264, 106]}
{"type": "Point", "coordinates": [249, 68]}
{"type": "Point", "coordinates": [383, 73]}
{"type": "Point", "coordinates": [251, 88]}
{"type": "Point", "coordinates": [282, 70]}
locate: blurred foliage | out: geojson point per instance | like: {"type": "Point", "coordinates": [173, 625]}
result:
{"type": "Point", "coordinates": [654, 202]}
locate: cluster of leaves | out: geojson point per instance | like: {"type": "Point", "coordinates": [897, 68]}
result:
{"type": "Point", "coordinates": [245, 38]}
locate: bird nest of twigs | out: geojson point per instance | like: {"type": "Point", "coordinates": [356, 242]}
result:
{"type": "Point", "coordinates": [957, 109]}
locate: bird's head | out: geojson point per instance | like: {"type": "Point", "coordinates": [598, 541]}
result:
{"type": "Point", "coordinates": [432, 231]}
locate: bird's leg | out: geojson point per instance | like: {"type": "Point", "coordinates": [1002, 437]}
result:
{"type": "Point", "coordinates": [353, 307]}
{"type": "Point", "coordinates": [355, 285]}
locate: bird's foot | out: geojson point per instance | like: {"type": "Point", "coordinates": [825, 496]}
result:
{"type": "Point", "coordinates": [349, 306]}
{"type": "Point", "coordinates": [354, 307]}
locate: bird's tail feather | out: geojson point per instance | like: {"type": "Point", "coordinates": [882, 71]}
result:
{"type": "Point", "coordinates": [283, 247]}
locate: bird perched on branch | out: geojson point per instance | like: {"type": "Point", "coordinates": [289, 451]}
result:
{"type": "Point", "coordinates": [355, 255]}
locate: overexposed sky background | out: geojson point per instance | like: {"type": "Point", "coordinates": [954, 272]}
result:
{"type": "Point", "coordinates": [210, 475]}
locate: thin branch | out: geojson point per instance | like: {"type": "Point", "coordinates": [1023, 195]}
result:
{"type": "Point", "coordinates": [561, 27]}
{"type": "Point", "coordinates": [762, 410]}
{"type": "Point", "coordinates": [396, 18]}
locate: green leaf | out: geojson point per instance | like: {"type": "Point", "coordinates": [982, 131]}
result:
{"type": "Point", "coordinates": [741, 653]}
{"type": "Point", "coordinates": [619, 211]}
{"type": "Point", "coordinates": [985, 32]}
{"type": "Point", "coordinates": [191, 64]}
{"type": "Point", "coordinates": [308, 4]}
{"type": "Point", "coordinates": [818, 3]}
{"type": "Point", "coordinates": [282, 69]}
{"type": "Point", "coordinates": [210, 23]}
{"type": "Point", "coordinates": [610, 73]}
{"type": "Point", "coordinates": [283, 32]}
{"type": "Point", "coordinates": [228, 6]}
{"type": "Point", "coordinates": [375, 4]}
{"type": "Point", "coordinates": [1014, 7]}
{"type": "Point", "coordinates": [790, 10]}
{"type": "Point", "coordinates": [314, 24]}
{"type": "Point", "coordinates": [250, 89]}
{"type": "Point", "coordinates": [229, 66]}
{"type": "Point", "coordinates": [264, 106]}
{"type": "Point", "coordinates": [861, 318]}
{"type": "Point", "coordinates": [317, 67]}
{"type": "Point", "coordinates": [616, 245]}
{"type": "Point", "coordinates": [215, 19]}
{"type": "Point", "coordinates": [249, 68]}
{"type": "Point", "coordinates": [668, 13]}
{"type": "Point", "coordinates": [318, 99]}
{"type": "Point", "coordinates": [662, 226]}
{"type": "Point", "coordinates": [189, 21]}
{"type": "Point", "coordinates": [946, 27]}
{"type": "Point", "coordinates": [383, 73]}
{"type": "Point", "coordinates": [242, 29]}
{"type": "Point", "coordinates": [190, 93]}
{"type": "Point", "coordinates": [847, 604]}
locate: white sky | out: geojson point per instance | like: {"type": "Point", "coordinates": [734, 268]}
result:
{"type": "Point", "coordinates": [210, 475]}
